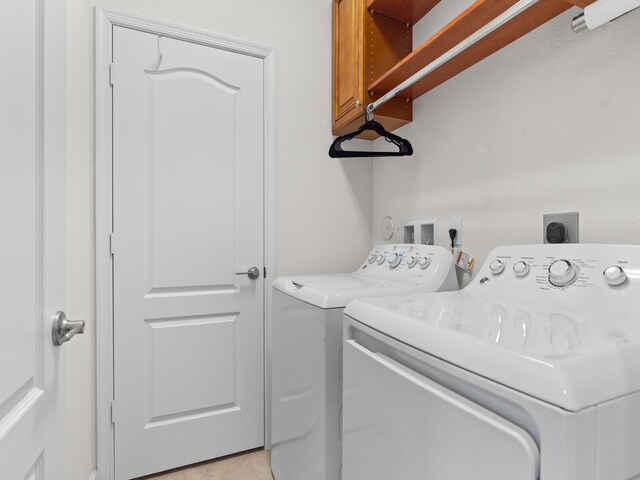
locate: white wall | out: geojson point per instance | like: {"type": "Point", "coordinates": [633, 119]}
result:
{"type": "Point", "coordinates": [323, 205]}
{"type": "Point", "coordinates": [549, 124]}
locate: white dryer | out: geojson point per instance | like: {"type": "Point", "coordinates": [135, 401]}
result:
{"type": "Point", "coordinates": [531, 372]}
{"type": "Point", "coordinates": [306, 344]}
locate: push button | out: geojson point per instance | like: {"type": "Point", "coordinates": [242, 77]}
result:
{"type": "Point", "coordinates": [496, 267]}
{"type": "Point", "coordinates": [614, 276]}
{"type": "Point", "coordinates": [521, 269]}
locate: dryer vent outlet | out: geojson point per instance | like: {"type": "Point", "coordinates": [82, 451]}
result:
{"type": "Point", "coordinates": [560, 228]}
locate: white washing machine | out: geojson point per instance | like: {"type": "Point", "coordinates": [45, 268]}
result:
{"type": "Point", "coordinates": [531, 372]}
{"type": "Point", "coordinates": [307, 339]}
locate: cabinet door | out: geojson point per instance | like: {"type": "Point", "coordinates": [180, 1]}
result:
{"type": "Point", "coordinates": [348, 67]}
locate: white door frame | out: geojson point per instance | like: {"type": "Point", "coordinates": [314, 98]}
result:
{"type": "Point", "coordinates": [105, 20]}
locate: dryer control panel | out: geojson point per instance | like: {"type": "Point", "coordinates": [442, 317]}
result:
{"type": "Point", "coordinates": [409, 263]}
{"type": "Point", "coordinates": [561, 267]}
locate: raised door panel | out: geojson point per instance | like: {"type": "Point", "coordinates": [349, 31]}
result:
{"type": "Point", "coordinates": [192, 363]}
{"type": "Point", "coordinates": [20, 165]}
{"type": "Point", "coordinates": [348, 67]}
{"type": "Point", "coordinates": [191, 177]}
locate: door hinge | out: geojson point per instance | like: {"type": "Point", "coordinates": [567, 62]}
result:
{"type": "Point", "coordinates": [111, 68]}
{"type": "Point", "coordinates": [113, 411]}
{"type": "Point", "coordinates": [111, 245]}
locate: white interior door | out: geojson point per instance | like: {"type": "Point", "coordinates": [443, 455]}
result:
{"type": "Point", "coordinates": [188, 221]}
{"type": "Point", "coordinates": [32, 242]}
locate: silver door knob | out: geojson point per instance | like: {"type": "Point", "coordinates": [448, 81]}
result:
{"type": "Point", "coordinates": [253, 273]}
{"type": "Point", "coordinates": [64, 329]}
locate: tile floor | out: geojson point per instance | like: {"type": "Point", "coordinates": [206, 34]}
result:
{"type": "Point", "coordinates": [253, 465]}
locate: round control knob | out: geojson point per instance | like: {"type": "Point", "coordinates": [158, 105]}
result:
{"type": "Point", "coordinates": [424, 262]}
{"type": "Point", "coordinates": [395, 259]}
{"type": "Point", "coordinates": [381, 259]}
{"type": "Point", "coordinates": [614, 276]}
{"type": "Point", "coordinates": [562, 273]}
{"type": "Point", "coordinates": [521, 269]}
{"type": "Point", "coordinates": [372, 258]}
{"type": "Point", "coordinates": [411, 261]}
{"type": "Point", "coordinates": [496, 267]}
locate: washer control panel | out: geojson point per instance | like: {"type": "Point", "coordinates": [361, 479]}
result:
{"type": "Point", "coordinates": [561, 267]}
{"type": "Point", "coordinates": [405, 262]}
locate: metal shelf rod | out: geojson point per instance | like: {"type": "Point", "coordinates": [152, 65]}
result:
{"type": "Point", "coordinates": [493, 25]}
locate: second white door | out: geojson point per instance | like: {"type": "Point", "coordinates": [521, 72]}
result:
{"type": "Point", "coordinates": [32, 239]}
{"type": "Point", "coordinates": [188, 222]}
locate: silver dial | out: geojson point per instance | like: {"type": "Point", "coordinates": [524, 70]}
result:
{"type": "Point", "coordinates": [496, 267]}
{"type": "Point", "coordinates": [411, 261]}
{"type": "Point", "coordinates": [562, 273]}
{"type": "Point", "coordinates": [424, 262]}
{"type": "Point", "coordinates": [521, 269]}
{"type": "Point", "coordinates": [395, 259]}
{"type": "Point", "coordinates": [614, 276]}
{"type": "Point", "coordinates": [372, 258]}
{"type": "Point", "coordinates": [381, 259]}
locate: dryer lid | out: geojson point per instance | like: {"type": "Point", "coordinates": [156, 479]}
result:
{"type": "Point", "coordinates": [335, 291]}
{"type": "Point", "coordinates": [570, 358]}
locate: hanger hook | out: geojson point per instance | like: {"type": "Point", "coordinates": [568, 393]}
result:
{"type": "Point", "coordinates": [368, 112]}
{"type": "Point", "coordinates": [160, 54]}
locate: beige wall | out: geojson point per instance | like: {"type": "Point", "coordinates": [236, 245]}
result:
{"type": "Point", "coordinates": [548, 124]}
{"type": "Point", "coordinates": [323, 205]}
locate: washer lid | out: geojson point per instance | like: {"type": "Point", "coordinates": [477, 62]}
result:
{"type": "Point", "coordinates": [570, 357]}
{"type": "Point", "coordinates": [335, 291]}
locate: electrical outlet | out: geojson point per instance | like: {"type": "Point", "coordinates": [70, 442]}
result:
{"type": "Point", "coordinates": [568, 222]}
{"type": "Point", "coordinates": [456, 222]}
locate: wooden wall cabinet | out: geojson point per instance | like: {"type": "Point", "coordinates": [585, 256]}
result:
{"type": "Point", "coordinates": [372, 52]}
{"type": "Point", "coordinates": [365, 46]}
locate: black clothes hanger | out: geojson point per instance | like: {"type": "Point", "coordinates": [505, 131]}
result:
{"type": "Point", "coordinates": [404, 147]}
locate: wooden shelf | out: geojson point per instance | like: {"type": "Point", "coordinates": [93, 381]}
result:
{"type": "Point", "coordinates": [405, 11]}
{"type": "Point", "coordinates": [581, 3]}
{"type": "Point", "coordinates": [465, 24]}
